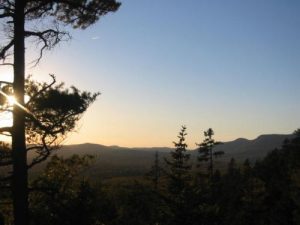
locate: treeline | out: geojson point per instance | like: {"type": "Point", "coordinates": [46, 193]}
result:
{"type": "Point", "coordinates": [250, 193]}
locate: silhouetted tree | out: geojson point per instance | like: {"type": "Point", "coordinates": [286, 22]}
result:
{"type": "Point", "coordinates": [178, 165]}
{"type": "Point", "coordinates": [267, 193]}
{"type": "Point", "coordinates": [52, 112]}
{"type": "Point", "coordinates": [206, 150]}
{"type": "Point", "coordinates": [61, 196]}
{"type": "Point", "coordinates": [136, 204]}
{"type": "Point", "coordinates": [232, 193]}
{"type": "Point", "coordinates": [251, 210]}
{"type": "Point", "coordinates": [155, 171]}
{"type": "Point", "coordinates": [15, 14]}
{"type": "Point", "coordinates": [279, 171]}
{"type": "Point", "coordinates": [179, 177]}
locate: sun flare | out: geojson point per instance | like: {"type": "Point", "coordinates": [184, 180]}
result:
{"type": "Point", "coordinates": [11, 100]}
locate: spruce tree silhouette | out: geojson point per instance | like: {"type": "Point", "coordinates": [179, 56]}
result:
{"type": "Point", "coordinates": [155, 172]}
{"type": "Point", "coordinates": [206, 150]}
{"type": "Point", "coordinates": [178, 164]}
{"type": "Point", "coordinates": [179, 182]}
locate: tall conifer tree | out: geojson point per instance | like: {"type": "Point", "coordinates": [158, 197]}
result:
{"type": "Point", "coordinates": [18, 16]}
{"type": "Point", "coordinates": [206, 150]}
{"type": "Point", "coordinates": [179, 189]}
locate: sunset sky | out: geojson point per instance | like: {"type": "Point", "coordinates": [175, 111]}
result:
{"type": "Point", "coordinates": [230, 65]}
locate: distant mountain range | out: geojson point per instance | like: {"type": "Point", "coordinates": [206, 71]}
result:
{"type": "Point", "coordinates": [258, 148]}
{"type": "Point", "coordinates": [114, 161]}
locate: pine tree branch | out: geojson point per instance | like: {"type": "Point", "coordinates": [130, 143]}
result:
{"type": "Point", "coordinates": [39, 7]}
{"type": "Point", "coordinates": [43, 154]}
{"type": "Point", "coordinates": [43, 89]}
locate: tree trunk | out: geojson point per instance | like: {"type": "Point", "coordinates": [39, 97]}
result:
{"type": "Point", "coordinates": [19, 179]}
{"type": "Point", "coordinates": [211, 162]}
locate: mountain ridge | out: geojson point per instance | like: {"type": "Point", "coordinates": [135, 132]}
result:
{"type": "Point", "coordinates": [272, 138]}
{"type": "Point", "coordinates": [113, 161]}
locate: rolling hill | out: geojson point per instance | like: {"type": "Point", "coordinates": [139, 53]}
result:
{"type": "Point", "coordinates": [114, 161]}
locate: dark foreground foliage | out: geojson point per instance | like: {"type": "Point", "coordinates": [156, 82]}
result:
{"type": "Point", "coordinates": [261, 193]}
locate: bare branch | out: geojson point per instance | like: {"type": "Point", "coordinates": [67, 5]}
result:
{"type": "Point", "coordinates": [4, 15]}
{"type": "Point", "coordinates": [9, 8]}
{"type": "Point", "coordinates": [5, 82]}
{"type": "Point", "coordinates": [43, 155]}
{"type": "Point", "coordinates": [8, 135]}
{"type": "Point", "coordinates": [49, 38]}
{"type": "Point", "coordinates": [36, 147]}
{"type": "Point", "coordinates": [6, 64]}
{"type": "Point", "coordinates": [5, 129]}
{"type": "Point", "coordinates": [5, 49]}
{"type": "Point", "coordinates": [43, 150]}
{"type": "Point", "coordinates": [38, 160]}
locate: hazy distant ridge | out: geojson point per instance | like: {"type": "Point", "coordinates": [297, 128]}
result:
{"type": "Point", "coordinates": [256, 148]}
{"type": "Point", "coordinates": [121, 161]}
{"type": "Point", "coordinates": [242, 148]}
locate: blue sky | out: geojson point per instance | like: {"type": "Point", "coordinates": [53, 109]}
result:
{"type": "Point", "coordinates": [231, 65]}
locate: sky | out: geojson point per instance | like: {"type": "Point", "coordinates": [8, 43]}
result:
{"type": "Point", "coordinates": [232, 66]}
